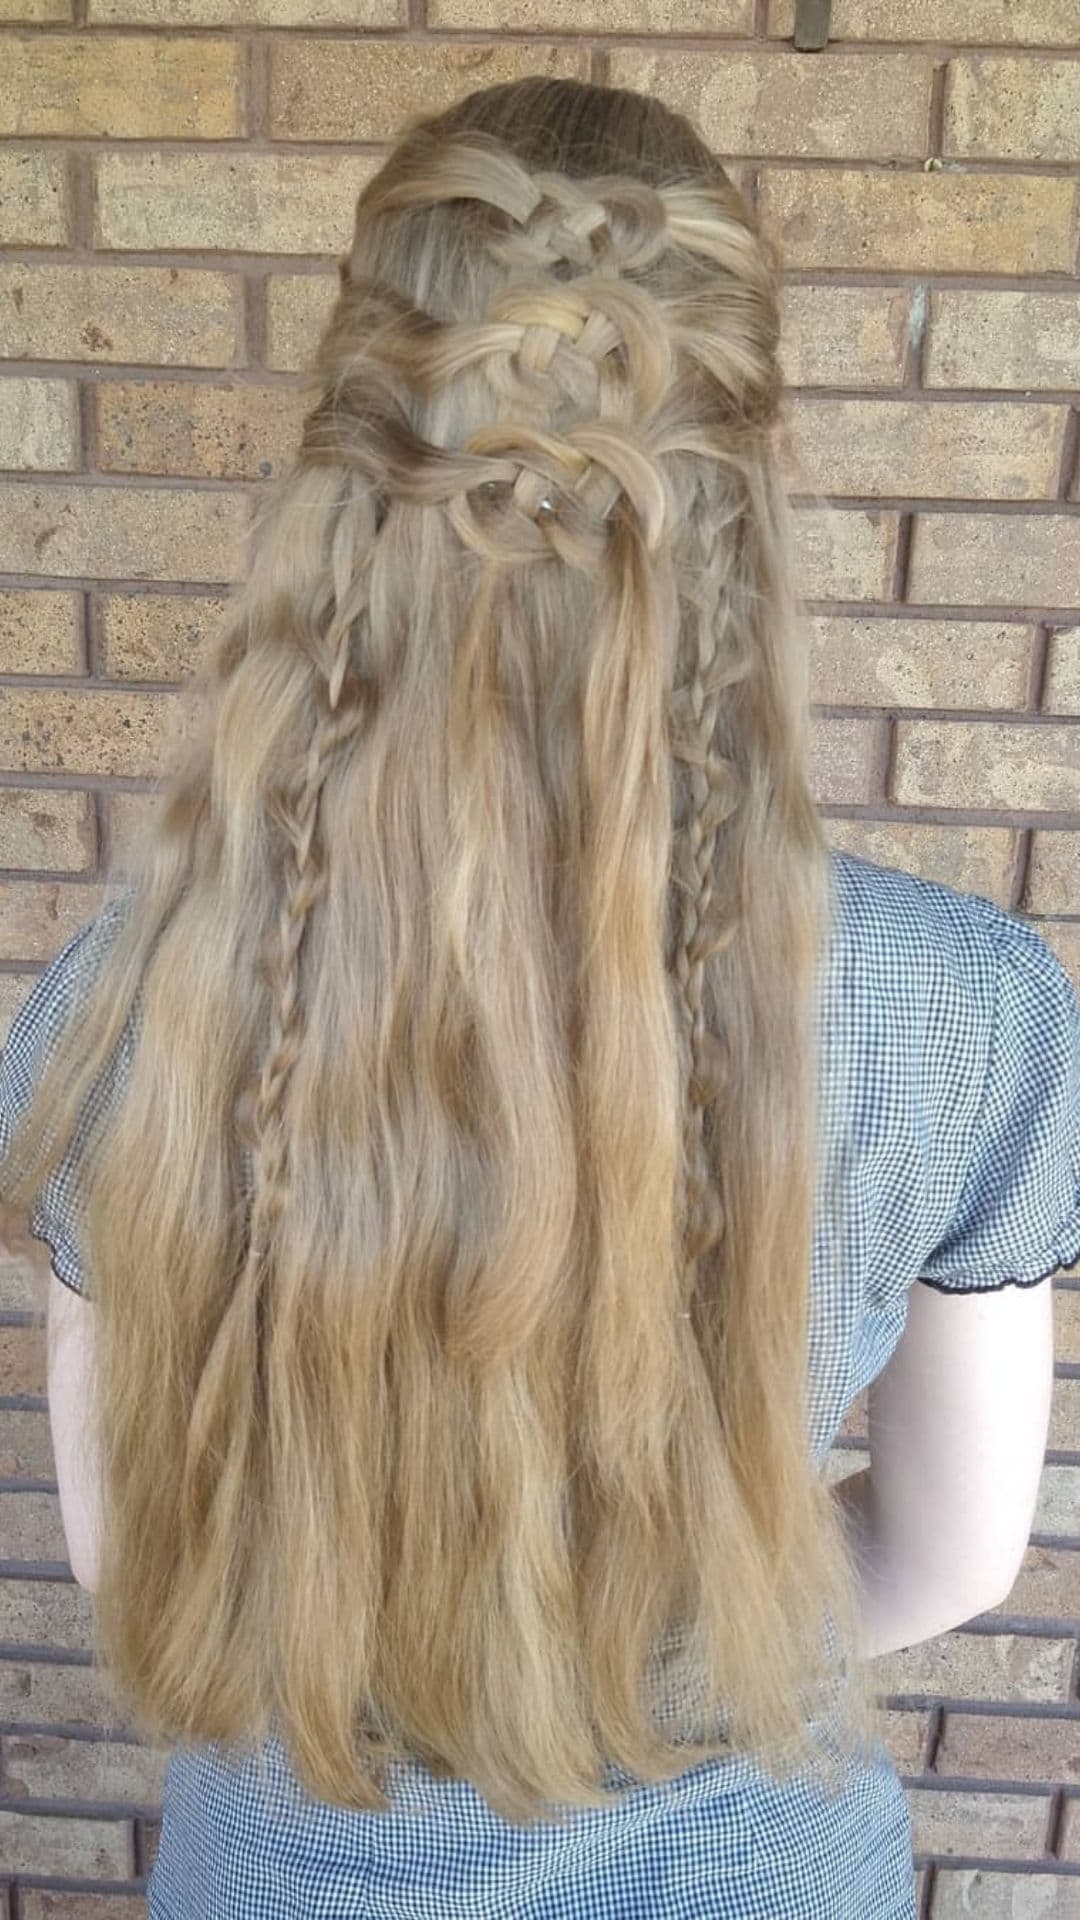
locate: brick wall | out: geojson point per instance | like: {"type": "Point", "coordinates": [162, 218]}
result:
{"type": "Point", "coordinates": [171, 207]}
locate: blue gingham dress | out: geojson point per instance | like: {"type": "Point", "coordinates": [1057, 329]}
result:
{"type": "Point", "coordinates": [951, 1158]}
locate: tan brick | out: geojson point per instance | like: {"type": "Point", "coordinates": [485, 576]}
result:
{"type": "Point", "coordinates": [1070, 1830]}
{"type": "Point", "coordinates": [1020, 22]}
{"type": "Point", "coordinates": [128, 88]}
{"type": "Point", "coordinates": [22, 11]}
{"type": "Point", "coordinates": [968, 449]}
{"type": "Point", "coordinates": [95, 733]}
{"type": "Point", "coordinates": [845, 555]}
{"type": "Point", "coordinates": [35, 205]}
{"type": "Point", "coordinates": [31, 1527]}
{"type": "Point", "coordinates": [45, 1613]}
{"type": "Point", "coordinates": [1057, 1510]}
{"type": "Point", "coordinates": [1064, 937]}
{"type": "Point", "coordinates": [222, 432]}
{"type": "Point", "coordinates": [598, 16]}
{"type": "Point", "coordinates": [45, 1843]}
{"type": "Point", "coordinates": [920, 222]}
{"type": "Point", "coordinates": [999, 559]}
{"type": "Point", "coordinates": [1012, 107]}
{"type": "Point", "coordinates": [363, 90]}
{"type": "Point", "coordinates": [22, 1370]}
{"type": "Point", "coordinates": [242, 202]}
{"type": "Point", "coordinates": [26, 1449]}
{"type": "Point", "coordinates": [245, 13]}
{"type": "Point", "coordinates": [156, 636]}
{"type": "Point", "coordinates": [1053, 879]}
{"type": "Point", "coordinates": [1064, 1435]}
{"type": "Point", "coordinates": [1046, 1586]}
{"type": "Point", "coordinates": [40, 1692]}
{"type": "Point", "coordinates": [961, 1893]}
{"type": "Point", "coordinates": [39, 632]}
{"type": "Point", "coordinates": [1007, 764]}
{"type": "Point", "coordinates": [905, 1735]}
{"type": "Point", "coordinates": [875, 662]}
{"type": "Point", "coordinates": [1067, 1324]}
{"type": "Point", "coordinates": [37, 916]}
{"type": "Point", "coordinates": [996, 1746]}
{"type": "Point", "coordinates": [948, 1822]}
{"type": "Point", "coordinates": [973, 859]}
{"type": "Point", "coordinates": [44, 829]}
{"type": "Point", "coordinates": [842, 336]}
{"type": "Point", "coordinates": [134, 533]}
{"type": "Point", "coordinates": [128, 817]}
{"type": "Point", "coordinates": [49, 1766]}
{"type": "Point", "coordinates": [1005, 338]}
{"type": "Point", "coordinates": [776, 102]}
{"type": "Point", "coordinates": [844, 755]}
{"type": "Point", "coordinates": [37, 423]}
{"type": "Point", "coordinates": [177, 316]}
{"type": "Point", "coordinates": [39, 1904]}
{"type": "Point", "coordinates": [298, 305]}
{"type": "Point", "coordinates": [979, 1666]}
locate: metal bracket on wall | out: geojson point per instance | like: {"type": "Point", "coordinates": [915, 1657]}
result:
{"type": "Point", "coordinates": [811, 24]}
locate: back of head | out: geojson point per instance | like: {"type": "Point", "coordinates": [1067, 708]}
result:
{"type": "Point", "coordinates": [459, 1201]}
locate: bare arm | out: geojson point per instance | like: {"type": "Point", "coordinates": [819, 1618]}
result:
{"type": "Point", "coordinates": [958, 1421]}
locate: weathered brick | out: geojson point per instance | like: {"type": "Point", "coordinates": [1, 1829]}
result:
{"type": "Point", "coordinates": [45, 1613]}
{"type": "Point", "coordinates": [1064, 1435]}
{"type": "Point", "coordinates": [961, 1893]}
{"type": "Point", "coordinates": [26, 1449]}
{"type": "Point", "coordinates": [598, 16]}
{"type": "Point", "coordinates": [52, 1766]}
{"type": "Point", "coordinates": [845, 555]}
{"type": "Point", "coordinates": [128, 813]}
{"type": "Point", "coordinates": [1012, 107]}
{"type": "Point", "coordinates": [1008, 765]}
{"type": "Point", "coordinates": [35, 205]}
{"type": "Point", "coordinates": [245, 13]}
{"type": "Point", "coordinates": [776, 102]}
{"type": "Point", "coordinates": [95, 733]}
{"type": "Point", "coordinates": [1020, 22]}
{"type": "Point", "coordinates": [905, 1735]}
{"type": "Point", "coordinates": [844, 756]}
{"type": "Point", "coordinates": [298, 305]}
{"type": "Point", "coordinates": [179, 316]}
{"type": "Point", "coordinates": [969, 449]}
{"type": "Point", "coordinates": [979, 1666]}
{"type": "Point", "coordinates": [943, 1821]}
{"type": "Point", "coordinates": [1070, 1830]}
{"type": "Point", "coordinates": [997, 1746]}
{"type": "Point", "coordinates": [1057, 1510]}
{"type": "Point", "coordinates": [1006, 338]}
{"type": "Point", "coordinates": [920, 222]}
{"type": "Point", "coordinates": [156, 636]}
{"type": "Point", "coordinates": [46, 1843]}
{"type": "Point", "coordinates": [132, 87]}
{"type": "Point", "coordinates": [42, 1692]}
{"type": "Point", "coordinates": [40, 1904]}
{"type": "Point", "coordinates": [972, 859]}
{"type": "Point", "coordinates": [31, 1527]}
{"type": "Point", "coordinates": [363, 90]}
{"type": "Point", "coordinates": [875, 662]}
{"type": "Point", "coordinates": [37, 916]}
{"type": "Point", "coordinates": [223, 432]}
{"type": "Point", "coordinates": [37, 423]}
{"type": "Point", "coordinates": [1067, 1324]}
{"type": "Point", "coordinates": [1046, 1586]}
{"type": "Point", "coordinates": [842, 336]}
{"type": "Point", "coordinates": [39, 632]}
{"type": "Point", "coordinates": [242, 202]}
{"type": "Point", "coordinates": [996, 559]}
{"type": "Point", "coordinates": [22, 1370]}
{"type": "Point", "coordinates": [135, 533]}
{"type": "Point", "coordinates": [21, 12]}
{"type": "Point", "coordinates": [1053, 872]}
{"type": "Point", "coordinates": [40, 828]}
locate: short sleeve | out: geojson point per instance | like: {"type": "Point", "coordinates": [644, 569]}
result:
{"type": "Point", "coordinates": [1018, 1217]}
{"type": "Point", "coordinates": [31, 1038]}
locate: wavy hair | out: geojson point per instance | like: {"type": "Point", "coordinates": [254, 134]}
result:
{"type": "Point", "coordinates": [449, 1228]}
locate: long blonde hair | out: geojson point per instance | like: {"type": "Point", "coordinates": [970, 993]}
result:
{"type": "Point", "coordinates": [449, 1227]}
